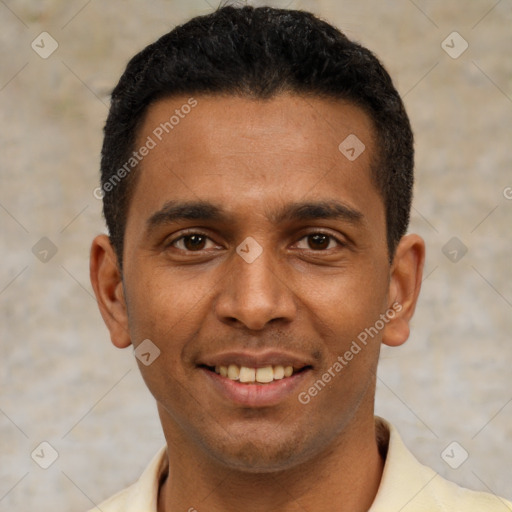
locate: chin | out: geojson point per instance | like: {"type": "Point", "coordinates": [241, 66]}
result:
{"type": "Point", "coordinates": [250, 459]}
{"type": "Point", "coordinates": [261, 455]}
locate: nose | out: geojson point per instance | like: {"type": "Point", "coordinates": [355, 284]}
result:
{"type": "Point", "coordinates": [255, 293]}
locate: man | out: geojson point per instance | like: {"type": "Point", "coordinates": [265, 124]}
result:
{"type": "Point", "coordinates": [257, 173]}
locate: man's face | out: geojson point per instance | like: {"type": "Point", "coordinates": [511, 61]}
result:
{"type": "Point", "coordinates": [253, 241]}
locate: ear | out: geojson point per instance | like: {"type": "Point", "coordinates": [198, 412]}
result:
{"type": "Point", "coordinates": [404, 288]}
{"type": "Point", "coordinates": [106, 280]}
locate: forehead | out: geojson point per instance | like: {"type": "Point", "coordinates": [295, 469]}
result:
{"type": "Point", "coordinates": [246, 154]}
{"type": "Point", "coordinates": [302, 123]}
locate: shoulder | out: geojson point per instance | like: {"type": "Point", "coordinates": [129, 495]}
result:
{"type": "Point", "coordinates": [115, 503]}
{"type": "Point", "coordinates": [410, 486]}
{"type": "Point", "coordinates": [450, 495]}
{"type": "Point", "coordinates": [143, 494]}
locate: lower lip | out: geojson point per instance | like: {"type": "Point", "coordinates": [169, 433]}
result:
{"type": "Point", "coordinates": [256, 395]}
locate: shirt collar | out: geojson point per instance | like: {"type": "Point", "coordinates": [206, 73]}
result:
{"type": "Point", "coordinates": [402, 479]}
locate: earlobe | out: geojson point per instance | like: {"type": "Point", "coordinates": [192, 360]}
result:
{"type": "Point", "coordinates": [404, 288]}
{"type": "Point", "coordinates": [107, 283]}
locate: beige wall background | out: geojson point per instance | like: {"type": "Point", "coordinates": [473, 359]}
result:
{"type": "Point", "coordinates": [61, 380]}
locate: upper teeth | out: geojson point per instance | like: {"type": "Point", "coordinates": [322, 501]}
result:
{"type": "Point", "coordinates": [262, 375]}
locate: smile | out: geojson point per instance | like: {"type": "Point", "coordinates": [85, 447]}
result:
{"type": "Point", "coordinates": [249, 375]}
{"type": "Point", "coordinates": [255, 379]}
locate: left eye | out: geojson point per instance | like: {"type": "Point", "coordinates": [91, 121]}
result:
{"type": "Point", "coordinates": [319, 241]}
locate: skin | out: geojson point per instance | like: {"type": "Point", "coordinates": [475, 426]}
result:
{"type": "Point", "coordinates": [308, 295]}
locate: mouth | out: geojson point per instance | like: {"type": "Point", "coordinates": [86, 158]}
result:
{"type": "Point", "coordinates": [251, 375]}
{"type": "Point", "coordinates": [255, 380]}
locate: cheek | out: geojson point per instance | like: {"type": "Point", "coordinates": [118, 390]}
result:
{"type": "Point", "coordinates": [166, 312]}
{"type": "Point", "coordinates": [342, 305]}
{"type": "Point", "coordinates": [165, 304]}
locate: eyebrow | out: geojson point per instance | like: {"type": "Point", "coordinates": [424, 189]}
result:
{"type": "Point", "coordinates": [174, 211]}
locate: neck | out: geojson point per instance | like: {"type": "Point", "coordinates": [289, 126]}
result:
{"type": "Point", "coordinates": [345, 477]}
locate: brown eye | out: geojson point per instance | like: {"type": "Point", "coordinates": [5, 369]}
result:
{"type": "Point", "coordinates": [194, 242]}
{"type": "Point", "coordinates": [318, 241]}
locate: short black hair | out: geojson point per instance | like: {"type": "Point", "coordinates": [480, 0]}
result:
{"type": "Point", "coordinates": [258, 53]}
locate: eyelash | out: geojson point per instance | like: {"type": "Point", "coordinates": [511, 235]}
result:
{"type": "Point", "coordinates": [191, 233]}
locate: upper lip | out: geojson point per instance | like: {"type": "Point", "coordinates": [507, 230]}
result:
{"type": "Point", "coordinates": [257, 359]}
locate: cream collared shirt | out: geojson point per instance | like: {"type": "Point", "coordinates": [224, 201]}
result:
{"type": "Point", "coordinates": [406, 486]}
